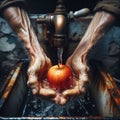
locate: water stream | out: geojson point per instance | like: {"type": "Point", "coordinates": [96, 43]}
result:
{"type": "Point", "coordinates": [59, 55]}
{"type": "Point", "coordinates": [44, 107]}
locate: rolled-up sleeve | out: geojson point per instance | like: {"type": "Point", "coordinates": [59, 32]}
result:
{"type": "Point", "coordinates": [6, 3]}
{"type": "Point", "coordinates": [111, 6]}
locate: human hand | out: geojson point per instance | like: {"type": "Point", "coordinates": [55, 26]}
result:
{"type": "Point", "coordinates": [36, 76]}
{"type": "Point", "coordinates": [80, 79]}
{"type": "Point", "coordinates": [39, 62]}
{"type": "Point", "coordinates": [100, 24]}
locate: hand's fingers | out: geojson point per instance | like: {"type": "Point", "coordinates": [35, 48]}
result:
{"type": "Point", "coordinates": [80, 88]}
{"type": "Point", "coordinates": [63, 100]}
{"type": "Point", "coordinates": [47, 92]}
{"type": "Point", "coordinates": [83, 82]}
{"type": "Point", "coordinates": [33, 84]}
{"type": "Point", "coordinates": [59, 99]}
{"type": "Point", "coordinates": [83, 86]}
{"type": "Point", "coordinates": [71, 92]}
{"type": "Point", "coordinates": [34, 87]}
{"type": "Point", "coordinates": [35, 90]}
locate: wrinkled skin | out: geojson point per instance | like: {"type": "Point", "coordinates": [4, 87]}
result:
{"type": "Point", "coordinates": [99, 25]}
{"type": "Point", "coordinates": [20, 23]}
{"type": "Point", "coordinates": [39, 62]}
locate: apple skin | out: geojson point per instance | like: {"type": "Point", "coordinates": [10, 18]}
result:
{"type": "Point", "coordinates": [59, 77]}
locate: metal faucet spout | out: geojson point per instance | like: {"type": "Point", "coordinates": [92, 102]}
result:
{"type": "Point", "coordinates": [60, 24]}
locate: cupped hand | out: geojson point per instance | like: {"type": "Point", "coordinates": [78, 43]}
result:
{"type": "Point", "coordinates": [36, 75]}
{"type": "Point", "coordinates": [80, 79]}
{"type": "Point", "coordinates": [39, 68]}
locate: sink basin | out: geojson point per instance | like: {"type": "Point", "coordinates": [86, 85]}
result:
{"type": "Point", "coordinates": [102, 98]}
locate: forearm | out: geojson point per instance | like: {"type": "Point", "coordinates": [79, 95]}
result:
{"type": "Point", "coordinates": [20, 23]}
{"type": "Point", "coordinates": [99, 25]}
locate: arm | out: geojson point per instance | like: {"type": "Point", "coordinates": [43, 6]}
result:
{"type": "Point", "coordinates": [39, 62]}
{"type": "Point", "coordinates": [100, 24]}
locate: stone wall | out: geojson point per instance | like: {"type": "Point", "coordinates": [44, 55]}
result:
{"type": "Point", "coordinates": [11, 49]}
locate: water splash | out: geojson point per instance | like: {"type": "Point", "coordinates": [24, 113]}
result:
{"type": "Point", "coordinates": [76, 106]}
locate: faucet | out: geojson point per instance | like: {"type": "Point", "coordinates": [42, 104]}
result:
{"type": "Point", "coordinates": [57, 30]}
{"type": "Point", "coordinates": [58, 22]}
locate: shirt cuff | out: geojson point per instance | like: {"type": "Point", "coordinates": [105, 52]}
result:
{"type": "Point", "coordinates": [111, 6]}
{"type": "Point", "coordinates": [6, 3]}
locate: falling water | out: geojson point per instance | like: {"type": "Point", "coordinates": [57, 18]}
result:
{"type": "Point", "coordinates": [59, 54]}
{"type": "Point", "coordinates": [76, 106]}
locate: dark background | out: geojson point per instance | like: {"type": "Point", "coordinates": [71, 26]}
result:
{"type": "Point", "coordinates": [47, 6]}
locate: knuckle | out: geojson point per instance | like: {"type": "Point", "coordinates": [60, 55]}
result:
{"type": "Point", "coordinates": [34, 91]}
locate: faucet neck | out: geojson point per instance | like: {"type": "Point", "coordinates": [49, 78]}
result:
{"type": "Point", "coordinates": [60, 8]}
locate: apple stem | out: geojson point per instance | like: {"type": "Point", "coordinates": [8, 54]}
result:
{"type": "Point", "coordinates": [59, 65]}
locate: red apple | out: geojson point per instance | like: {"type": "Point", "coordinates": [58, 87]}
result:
{"type": "Point", "coordinates": [59, 77]}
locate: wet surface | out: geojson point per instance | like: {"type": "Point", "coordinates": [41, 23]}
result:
{"type": "Point", "coordinates": [77, 106]}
